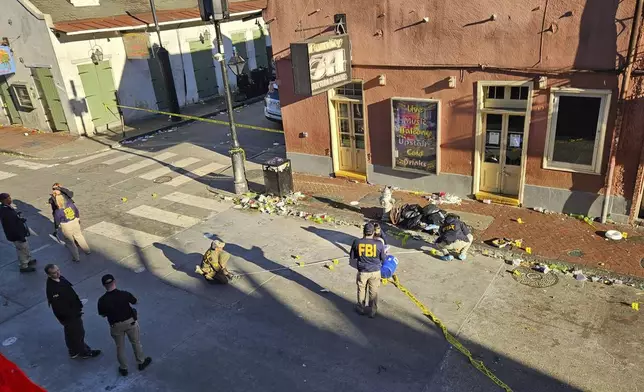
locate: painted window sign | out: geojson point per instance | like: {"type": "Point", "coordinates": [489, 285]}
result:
{"type": "Point", "coordinates": [7, 65]}
{"type": "Point", "coordinates": [415, 134]}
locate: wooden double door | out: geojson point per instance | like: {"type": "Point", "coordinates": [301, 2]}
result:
{"type": "Point", "coordinates": [351, 136]}
{"type": "Point", "coordinates": [503, 152]}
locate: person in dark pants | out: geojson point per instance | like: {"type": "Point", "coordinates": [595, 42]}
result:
{"type": "Point", "coordinates": [116, 304]}
{"type": "Point", "coordinates": [68, 309]}
{"type": "Point", "coordinates": [368, 253]}
{"type": "Point", "coordinates": [16, 230]}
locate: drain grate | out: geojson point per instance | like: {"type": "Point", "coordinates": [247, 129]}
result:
{"type": "Point", "coordinates": [576, 253]}
{"type": "Point", "coordinates": [533, 278]}
{"type": "Point", "coordinates": [162, 179]}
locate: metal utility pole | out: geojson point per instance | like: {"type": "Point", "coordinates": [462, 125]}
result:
{"type": "Point", "coordinates": [163, 57]}
{"type": "Point", "coordinates": [237, 154]}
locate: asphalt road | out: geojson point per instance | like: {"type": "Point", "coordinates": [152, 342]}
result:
{"type": "Point", "coordinates": [148, 217]}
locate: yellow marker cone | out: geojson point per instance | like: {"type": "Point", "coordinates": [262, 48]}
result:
{"type": "Point", "coordinates": [625, 235]}
{"type": "Point", "coordinates": [154, 195]}
{"type": "Point", "coordinates": [336, 261]}
{"type": "Point", "coordinates": [635, 306]}
{"type": "Point", "coordinates": [433, 251]}
{"type": "Point", "coordinates": [515, 272]}
{"type": "Point", "coordinates": [301, 264]}
{"type": "Point", "coordinates": [519, 221]}
{"type": "Point", "coordinates": [330, 266]}
{"type": "Point", "coordinates": [528, 250]}
{"type": "Point", "coordinates": [124, 199]}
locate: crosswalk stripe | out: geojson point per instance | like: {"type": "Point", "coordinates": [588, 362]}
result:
{"type": "Point", "coordinates": [193, 174]}
{"type": "Point", "coordinates": [156, 173]}
{"type": "Point", "coordinates": [91, 157]}
{"type": "Point", "coordinates": [124, 234]}
{"type": "Point", "coordinates": [164, 216]}
{"type": "Point", "coordinates": [5, 175]}
{"type": "Point", "coordinates": [196, 201]}
{"type": "Point", "coordinates": [122, 158]}
{"type": "Point", "coordinates": [28, 165]}
{"type": "Point", "coordinates": [145, 163]}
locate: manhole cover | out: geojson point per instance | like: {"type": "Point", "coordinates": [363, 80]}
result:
{"type": "Point", "coordinates": [92, 168]}
{"type": "Point", "coordinates": [533, 278]}
{"type": "Point", "coordinates": [576, 253]}
{"type": "Point", "coordinates": [162, 179]}
{"type": "Point", "coordinates": [254, 174]}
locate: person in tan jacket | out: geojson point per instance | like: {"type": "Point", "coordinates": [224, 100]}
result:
{"type": "Point", "coordinates": [214, 263]}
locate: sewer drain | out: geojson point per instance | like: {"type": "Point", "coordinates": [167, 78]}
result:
{"type": "Point", "coordinates": [533, 278]}
{"type": "Point", "coordinates": [576, 253]}
{"type": "Point", "coordinates": [162, 179]}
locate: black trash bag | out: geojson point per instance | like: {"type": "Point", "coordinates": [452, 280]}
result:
{"type": "Point", "coordinates": [436, 218]}
{"type": "Point", "coordinates": [414, 223]}
{"type": "Point", "coordinates": [410, 211]}
{"type": "Point", "coordinates": [430, 209]}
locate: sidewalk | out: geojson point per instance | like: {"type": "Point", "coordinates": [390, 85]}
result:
{"type": "Point", "coordinates": [35, 144]}
{"type": "Point", "coordinates": [552, 237]}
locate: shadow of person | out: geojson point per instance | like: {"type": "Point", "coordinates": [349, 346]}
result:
{"type": "Point", "coordinates": [341, 240]}
{"type": "Point", "coordinates": [181, 262]}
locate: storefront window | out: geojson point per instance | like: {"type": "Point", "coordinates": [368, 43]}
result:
{"type": "Point", "coordinates": [353, 89]}
{"type": "Point", "coordinates": [493, 128]}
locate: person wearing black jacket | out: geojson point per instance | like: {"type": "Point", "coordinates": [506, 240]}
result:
{"type": "Point", "coordinates": [368, 253]}
{"type": "Point", "coordinates": [454, 236]}
{"type": "Point", "coordinates": [16, 231]}
{"type": "Point", "coordinates": [68, 309]}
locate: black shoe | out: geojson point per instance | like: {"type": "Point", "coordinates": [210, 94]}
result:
{"type": "Point", "coordinates": [32, 262]}
{"type": "Point", "coordinates": [92, 354]}
{"type": "Point", "coordinates": [24, 270]}
{"type": "Point", "coordinates": [360, 310]}
{"type": "Point", "coordinates": [123, 372]}
{"type": "Point", "coordinates": [145, 363]}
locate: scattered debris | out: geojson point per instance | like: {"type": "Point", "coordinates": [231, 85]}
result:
{"type": "Point", "coordinates": [614, 235]}
{"type": "Point", "coordinates": [9, 341]}
{"type": "Point", "coordinates": [354, 203]}
{"type": "Point", "coordinates": [487, 201]}
{"type": "Point", "coordinates": [324, 290]}
{"type": "Point", "coordinates": [542, 268]}
{"type": "Point", "coordinates": [443, 198]}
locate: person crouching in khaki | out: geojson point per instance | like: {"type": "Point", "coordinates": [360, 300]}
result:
{"type": "Point", "coordinates": [214, 263]}
{"type": "Point", "coordinates": [67, 218]}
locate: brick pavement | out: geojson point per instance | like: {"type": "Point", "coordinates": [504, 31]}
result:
{"type": "Point", "coordinates": [551, 236]}
{"type": "Point", "coordinates": [25, 141]}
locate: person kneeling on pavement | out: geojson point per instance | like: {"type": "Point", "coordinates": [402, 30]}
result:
{"type": "Point", "coordinates": [454, 237]}
{"type": "Point", "coordinates": [214, 263]}
{"type": "Point", "coordinates": [368, 253]}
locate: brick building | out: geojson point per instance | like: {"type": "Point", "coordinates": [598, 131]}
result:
{"type": "Point", "coordinates": [505, 100]}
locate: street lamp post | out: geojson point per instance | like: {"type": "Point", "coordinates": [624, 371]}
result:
{"type": "Point", "coordinates": [236, 152]}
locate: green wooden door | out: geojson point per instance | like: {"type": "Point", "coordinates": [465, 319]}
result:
{"type": "Point", "coordinates": [100, 93]}
{"type": "Point", "coordinates": [7, 102]}
{"type": "Point", "coordinates": [50, 99]}
{"type": "Point", "coordinates": [239, 42]}
{"type": "Point", "coordinates": [160, 91]}
{"type": "Point", "coordinates": [204, 68]}
{"type": "Point", "coordinates": [259, 42]}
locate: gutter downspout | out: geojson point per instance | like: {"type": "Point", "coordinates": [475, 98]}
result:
{"type": "Point", "coordinates": [626, 81]}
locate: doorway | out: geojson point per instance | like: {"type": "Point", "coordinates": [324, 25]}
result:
{"type": "Point", "coordinates": [100, 92]}
{"type": "Point", "coordinates": [50, 98]}
{"type": "Point", "coordinates": [351, 137]}
{"type": "Point", "coordinates": [502, 158]}
{"type": "Point", "coordinates": [8, 103]}
{"type": "Point", "coordinates": [204, 68]}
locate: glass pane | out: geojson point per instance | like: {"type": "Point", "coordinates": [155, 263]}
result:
{"type": "Point", "coordinates": [515, 93]}
{"type": "Point", "coordinates": [345, 140]}
{"type": "Point", "coordinates": [524, 93]}
{"type": "Point", "coordinates": [358, 126]}
{"type": "Point", "coordinates": [360, 142]}
{"type": "Point", "coordinates": [516, 123]}
{"type": "Point", "coordinates": [513, 151]}
{"type": "Point", "coordinates": [490, 92]}
{"type": "Point", "coordinates": [493, 122]}
{"type": "Point", "coordinates": [500, 92]}
{"type": "Point", "coordinates": [576, 129]}
{"type": "Point", "coordinates": [357, 110]}
{"type": "Point", "coordinates": [343, 109]}
{"type": "Point", "coordinates": [344, 126]}
{"type": "Point", "coordinates": [357, 89]}
{"type": "Point", "coordinates": [492, 154]}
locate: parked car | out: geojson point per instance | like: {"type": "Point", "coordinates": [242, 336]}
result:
{"type": "Point", "coordinates": [272, 108]}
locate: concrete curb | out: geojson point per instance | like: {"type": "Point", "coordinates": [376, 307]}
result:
{"type": "Point", "coordinates": [118, 143]}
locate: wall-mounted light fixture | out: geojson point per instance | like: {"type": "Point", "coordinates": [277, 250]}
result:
{"type": "Point", "coordinates": [97, 56]}
{"type": "Point", "coordinates": [542, 83]}
{"type": "Point", "coordinates": [451, 82]}
{"type": "Point", "coordinates": [425, 19]}
{"type": "Point", "coordinates": [382, 80]}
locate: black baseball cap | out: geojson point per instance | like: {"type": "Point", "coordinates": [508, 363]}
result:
{"type": "Point", "coordinates": [107, 279]}
{"type": "Point", "coordinates": [4, 196]}
{"type": "Point", "coordinates": [369, 229]}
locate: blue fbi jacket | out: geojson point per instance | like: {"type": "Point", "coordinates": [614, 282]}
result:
{"type": "Point", "coordinates": [369, 253]}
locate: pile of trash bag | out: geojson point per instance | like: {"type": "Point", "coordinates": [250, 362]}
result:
{"type": "Point", "coordinates": [415, 217]}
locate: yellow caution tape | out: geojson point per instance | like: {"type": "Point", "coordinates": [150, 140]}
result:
{"type": "Point", "coordinates": [449, 337]}
{"type": "Point", "coordinates": [195, 118]}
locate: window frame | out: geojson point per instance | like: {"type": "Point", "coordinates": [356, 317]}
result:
{"type": "Point", "coordinates": [600, 132]}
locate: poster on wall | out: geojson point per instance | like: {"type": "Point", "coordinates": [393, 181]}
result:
{"type": "Point", "coordinates": [415, 133]}
{"type": "Point", "coordinates": [7, 65]}
{"type": "Point", "coordinates": [136, 46]}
